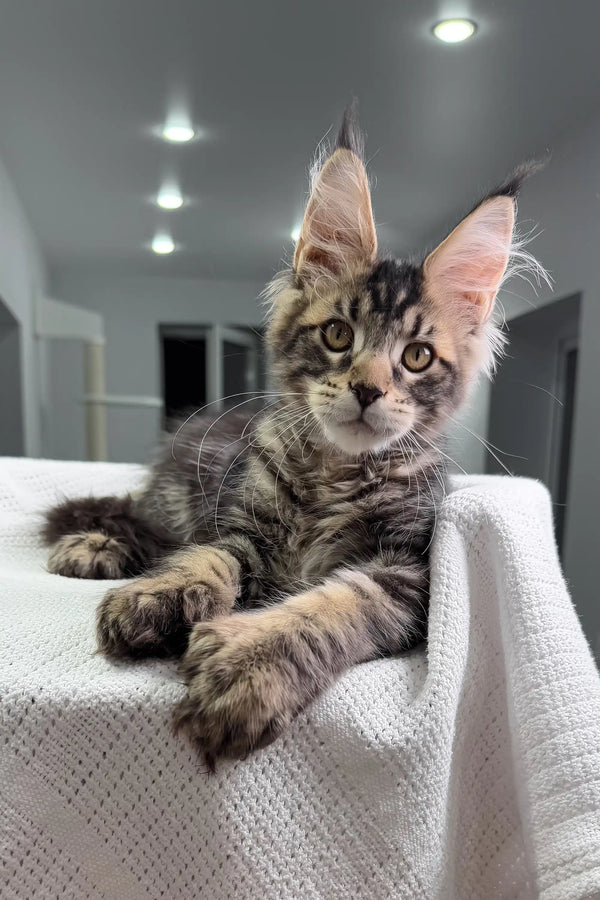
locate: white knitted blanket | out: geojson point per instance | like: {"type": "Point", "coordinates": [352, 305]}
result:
{"type": "Point", "coordinates": [471, 770]}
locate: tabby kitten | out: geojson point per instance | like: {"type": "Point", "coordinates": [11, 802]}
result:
{"type": "Point", "coordinates": [294, 542]}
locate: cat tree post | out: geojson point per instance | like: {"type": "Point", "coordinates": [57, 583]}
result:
{"type": "Point", "coordinates": [95, 406]}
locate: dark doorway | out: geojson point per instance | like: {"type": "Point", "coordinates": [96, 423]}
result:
{"type": "Point", "coordinates": [184, 374]}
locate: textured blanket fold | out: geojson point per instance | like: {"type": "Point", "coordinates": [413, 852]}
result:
{"type": "Point", "coordinates": [470, 770]}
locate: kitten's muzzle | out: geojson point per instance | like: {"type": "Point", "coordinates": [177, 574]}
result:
{"type": "Point", "coordinates": [365, 394]}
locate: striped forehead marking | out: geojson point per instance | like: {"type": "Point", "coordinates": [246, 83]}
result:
{"type": "Point", "coordinates": [394, 288]}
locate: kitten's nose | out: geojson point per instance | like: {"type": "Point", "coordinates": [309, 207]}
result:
{"type": "Point", "coordinates": [365, 394]}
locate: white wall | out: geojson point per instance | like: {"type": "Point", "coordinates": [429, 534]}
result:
{"type": "Point", "coordinates": [133, 308]}
{"type": "Point", "coordinates": [22, 278]}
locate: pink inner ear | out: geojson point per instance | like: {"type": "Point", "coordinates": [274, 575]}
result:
{"type": "Point", "coordinates": [338, 229]}
{"type": "Point", "coordinates": [470, 264]}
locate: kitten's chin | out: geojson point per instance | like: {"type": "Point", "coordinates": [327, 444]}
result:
{"type": "Point", "coordinates": [354, 438]}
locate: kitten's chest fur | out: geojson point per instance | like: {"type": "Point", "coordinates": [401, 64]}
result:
{"type": "Point", "coordinates": [323, 529]}
{"type": "Point", "coordinates": [326, 516]}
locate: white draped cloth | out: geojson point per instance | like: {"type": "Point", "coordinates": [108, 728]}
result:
{"type": "Point", "coordinates": [470, 769]}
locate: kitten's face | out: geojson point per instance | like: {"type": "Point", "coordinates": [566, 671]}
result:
{"type": "Point", "coordinates": [372, 358]}
{"type": "Point", "coordinates": [380, 352]}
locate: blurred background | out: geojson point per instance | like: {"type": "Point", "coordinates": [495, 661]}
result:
{"type": "Point", "coordinates": [153, 171]}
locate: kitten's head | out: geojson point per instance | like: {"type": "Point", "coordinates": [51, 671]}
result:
{"type": "Point", "coordinates": [380, 350]}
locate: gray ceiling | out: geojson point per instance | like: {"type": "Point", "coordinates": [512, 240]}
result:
{"type": "Point", "coordinates": [84, 82]}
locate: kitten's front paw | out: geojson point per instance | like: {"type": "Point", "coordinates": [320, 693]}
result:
{"type": "Point", "coordinates": [243, 687]}
{"type": "Point", "coordinates": [152, 616]}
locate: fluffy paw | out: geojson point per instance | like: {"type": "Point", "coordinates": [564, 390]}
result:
{"type": "Point", "coordinates": [152, 616]}
{"type": "Point", "coordinates": [88, 555]}
{"type": "Point", "coordinates": [245, 684]}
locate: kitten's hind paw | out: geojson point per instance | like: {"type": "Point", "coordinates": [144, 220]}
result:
{"type": "Point", "coordinates": [88, 554]}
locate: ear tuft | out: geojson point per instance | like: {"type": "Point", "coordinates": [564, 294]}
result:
{"type": "Point", "coordinates": [511, 186]}
{"type": "Point", "coordinates": [350, 137]}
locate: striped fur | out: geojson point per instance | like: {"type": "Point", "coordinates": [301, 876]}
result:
{"type": "Point", "coordinates": [292, 541]}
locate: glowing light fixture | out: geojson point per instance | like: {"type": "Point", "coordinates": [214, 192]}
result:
{"type": "Point", "coordinates": [178, 134]}
{"type": "Point", "coordinates": [296, 234]}
{"type": "Point", "coordinates": [170, 198]}
{"type": "Point", "coordinates": [453, 31]}
{"type": "Point", "coordinates": [163, 243]}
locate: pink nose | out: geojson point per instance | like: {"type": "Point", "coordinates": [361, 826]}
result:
{"type": "Point", "coordinates": [366, 394]}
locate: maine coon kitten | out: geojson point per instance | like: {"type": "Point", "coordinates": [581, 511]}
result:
{"type": "Point", "coordinates": [325, 501]}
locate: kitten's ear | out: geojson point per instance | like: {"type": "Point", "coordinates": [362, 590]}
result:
{"type": "Point", "coordinates": [338, 232]}
{"type": "Point", "coordinates": [470, 264]}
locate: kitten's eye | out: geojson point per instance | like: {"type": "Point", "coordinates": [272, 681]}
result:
{"type": "Point", "coordinates": [417, 357]}
{"type": "Point", "coordinates": [337, 335]}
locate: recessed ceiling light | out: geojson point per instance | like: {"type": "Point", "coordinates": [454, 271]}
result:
{"type": "Point", "coordinates": [453, 31]}
{"type": "Point", "coordinates": [296, 234]}
{"type": "Point", "coordinates": [163, 243]}
{"type": "Point", "coordinates": [169, 198]}
{"type": "Point", "coordinates": [178, 134]}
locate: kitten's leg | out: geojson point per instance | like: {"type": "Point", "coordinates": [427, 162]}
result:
{"type": "Point", "coordinates": [251, 673]}
{"type": "Point", "coordinates": [152, 615]}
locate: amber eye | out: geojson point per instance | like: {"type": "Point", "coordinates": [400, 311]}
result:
{"type": "Point", "coordinates": [417, 357]}
{"type": "Point", "coordinates": [337, 335]}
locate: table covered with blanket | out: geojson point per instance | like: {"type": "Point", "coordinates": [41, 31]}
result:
{"type": "Point", "coordinates": [467, 769]}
